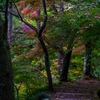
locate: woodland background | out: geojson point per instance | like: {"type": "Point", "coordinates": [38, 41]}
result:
{"type": "Point", "coordinates": [44, 42]}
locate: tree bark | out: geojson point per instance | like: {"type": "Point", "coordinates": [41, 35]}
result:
{"type": "Point", "coordinates": [60, 61]}
{"type": "Point", "coordinates": [87, 60]}
{"type": "Point", "coordinates": [47, 63]}
{"type": "Point", "coordinates": [9, 23]}
{"type": "Point", "coordinates": [6, 75]}
{"type": "Point", "coordinates": [66, 63]}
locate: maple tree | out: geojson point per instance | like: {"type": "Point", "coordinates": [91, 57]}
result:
{"type": "Point", "coordinates": [39, 34]}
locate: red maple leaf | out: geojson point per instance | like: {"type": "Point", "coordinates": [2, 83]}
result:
{"type": "Point", "coordinates": [24, 11]}
{"type": "Point", "coordinates": [34, 13]}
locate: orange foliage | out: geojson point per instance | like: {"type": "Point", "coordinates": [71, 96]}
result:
{"type": "Point", "coordinates": [78, 49]}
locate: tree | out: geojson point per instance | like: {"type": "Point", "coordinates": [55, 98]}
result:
{"type": "Point", "coordinates": [67, 30]}
{"type": "Point", "coordinates": [6, 74]}
{"type": "Point", "coordinates": [39, 31]}
{"type": "Point", "coordinates": [76, 22]}
{"type": "Point", "coordinates": [91, 31]}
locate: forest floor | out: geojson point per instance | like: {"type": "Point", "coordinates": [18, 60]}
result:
{"type": "Point", "coordinates": [79, 90]}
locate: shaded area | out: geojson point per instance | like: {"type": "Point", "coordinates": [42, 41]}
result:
{"type": "Point", "coordinates": [78, 90]}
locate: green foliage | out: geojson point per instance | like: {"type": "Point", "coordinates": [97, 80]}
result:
{"type": "Point", "coordinates": [76, 67]}
{"type": "Point", "coordinates": [18, 45]}
{"type": "Point", "coordinates": [74, 1]}
{"type": "Point", "coordinates": [4, 1]}
{"type": "Point", "coordinates": [83, 21]}
{"type": "Point", "coordinates": [96, 62]}
{"type": "Point", "coordinates": [28, 79]}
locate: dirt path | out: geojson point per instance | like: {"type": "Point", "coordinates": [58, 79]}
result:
{"type": "Point", "coordinates": [79, 90]}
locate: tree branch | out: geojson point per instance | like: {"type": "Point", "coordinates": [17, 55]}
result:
{"type": "Point", "coordinates": [24, 21]}
{"type": "Point", "coordinates": [45, 17]}
{"type": "Point", "coordinates": [12, 13]}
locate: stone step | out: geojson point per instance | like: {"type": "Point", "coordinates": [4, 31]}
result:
{"type": "Point", "coordinates": [70, 99]}
{"type": "Point", "coordinates": [72, 96]}
{"type": "Point", "coordinates": [76, 90]}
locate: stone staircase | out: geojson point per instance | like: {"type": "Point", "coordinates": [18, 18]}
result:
{"type": "Point", "coordinates": [76, 91]}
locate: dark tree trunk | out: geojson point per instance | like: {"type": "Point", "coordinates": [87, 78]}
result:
{"type": "Point", "coordinates": [66, 63]}
{"type": "Point", "coordinates": [66, 59]}
{"type": "Point", "coordinates": [87, 60]}
{"type": "Point", "coordinates": [47, 63]}
{"type": "Point", "coordinates": [9, 23]}
{"type": "Point", "coordinates": [46, 56]}
{"type": "Point", "coordinates": [6, 75]}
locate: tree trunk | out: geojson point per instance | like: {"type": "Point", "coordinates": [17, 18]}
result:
{"type": "Point", "coordinates": [60, 61]}
{"type": "Point", "coordinates": [47, 63]}
{"type": "Point", "coordinates": [6, 75]}
{"type": "Point", "coordinates": [66, 63]}
{"type": "Point", "coordinates": [46, 56]}
{"type": "Point", "coordinates": [67, 58]}
{"type": "Point", "coordinates": [9, 23]}
{"type": "Point", "coordinates": [87, 60]}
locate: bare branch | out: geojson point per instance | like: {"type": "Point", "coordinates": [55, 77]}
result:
{"type": "Point", "coordinates": [12, 13]}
